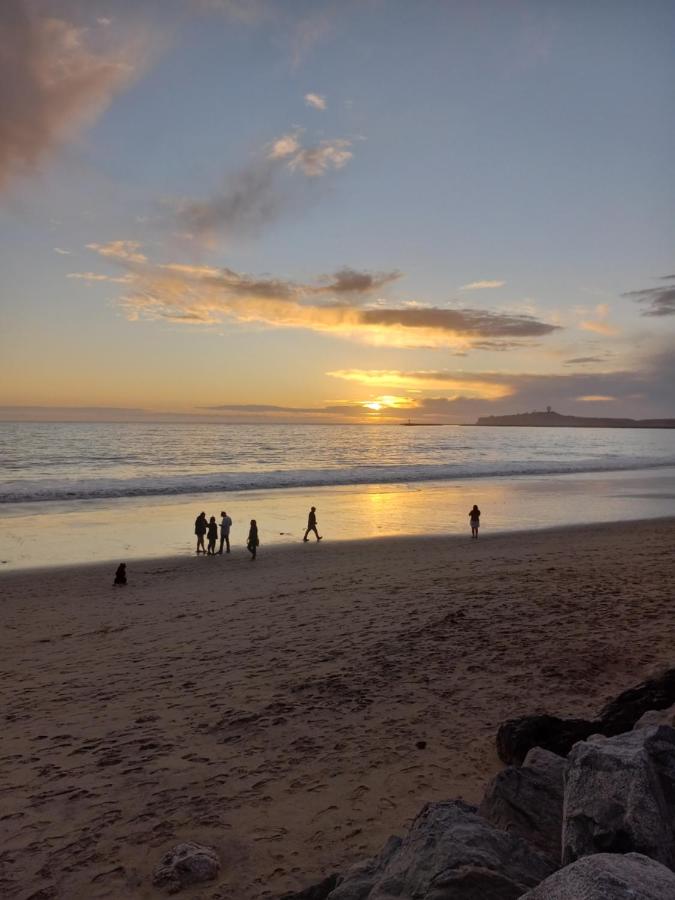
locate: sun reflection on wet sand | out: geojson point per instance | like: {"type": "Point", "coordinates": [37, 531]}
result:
{"type": "Point", "coordinates": [64, 533]}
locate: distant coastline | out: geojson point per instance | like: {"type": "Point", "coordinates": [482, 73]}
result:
{"type": "Point", "coordinates": [551, 419]}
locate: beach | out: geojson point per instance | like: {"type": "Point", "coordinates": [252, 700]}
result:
{"type": "Point", "coordinates": [296, 711]}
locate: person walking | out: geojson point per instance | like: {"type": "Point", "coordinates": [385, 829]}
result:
{"type": "Point", "coordinates": [201, 527]}
{"type": "Point", "coordinates": [213, 535]}
{"type": "Point", "coordinates": [225, 525]}
{"type": "Point", "coordinates": [253, 542]}
{"type": "Point", "coordinates": [474, 519]}
{"type": "Point", "coordinates": [311, 525]}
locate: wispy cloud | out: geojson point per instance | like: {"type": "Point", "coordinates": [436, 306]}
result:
{"type": "Point", "coordinates": [584, 360]}
{"type": "Point", "coordinates": [316, 101]}
{"type": "Point", "coordinates": [315, 160]}
{"type": "Point", "coordinates": [658, 301]}
{"type": "Point", "coordinates": [333, 304]}
{"type": "Point", "coordinates": [61, 251]}
{"type": "Point", "coordinates": [258, 195]}
{"type": "Point", "coordinates": [247, 203]}
{"type": "Point", "coordinates": [482, 285]}
{"type": "Point", "coordinates": [120, 251]}
{"type": "Point", "coordinates": [54, 77]}
{"type": "Point", "coordinates": [598, 322]}
{"type": "Point", "coordinates": [91, 277]}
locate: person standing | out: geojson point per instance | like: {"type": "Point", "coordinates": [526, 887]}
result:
{"type": "Point", "coordinates": [311, 525]}
{"type": "Point", "coordinates": [201, 527]}
{"type": "Point", "coordinates": [474, 519]}
{"type": "Point", "coordinates": [213, 535]}
{"type": "Point", "coordinates": [253, 542]}
{"type": "Point", "coordinates": [225, 525]}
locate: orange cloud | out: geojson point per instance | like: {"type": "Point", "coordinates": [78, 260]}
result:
{"type": "Point", "coordinates": [458, 383]}
{"type": "Point", "coordinates": [335, 304]}
{"type": "Point", "coordinates": [53, 80]}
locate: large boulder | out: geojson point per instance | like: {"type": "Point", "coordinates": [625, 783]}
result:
{"type": "Point", "coordinates": [516, 737]}
{"type": "Point", "coordinates": [184, 865]}
{"type": "Point", "coordinates": [657, 717]}
{"type": "Point", "coordinates": [620, 796]}
{"type": "Point", "coordinates": [528, 801]}
{"type": "Point", "coordinates": [620, 714]}
{"type": "Point", "coordinates": [450, 853]}
{"type": "Point", "coordinates": [358, 881]}
{"type": "Point", "coordinates": [608, 876]}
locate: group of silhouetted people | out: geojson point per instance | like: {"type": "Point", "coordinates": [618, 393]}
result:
{"type": "Point", "coordinates": [209, 530]}
{"type": "Point", "coordinates": [204, 529]}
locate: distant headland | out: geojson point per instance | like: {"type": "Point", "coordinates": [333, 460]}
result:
{"type": "Point", "coordinates": [551, 419]}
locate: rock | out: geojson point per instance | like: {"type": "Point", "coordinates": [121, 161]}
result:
{"type": "Point", "coordinates": [186, 864]}
{"type": "Point", "coordinates": [318, 891]}
{"type": "Point", "coordinates": [657, 717]}
{"type": "Point", "coordinates": [622, 713]}
{"type": "Point", "coordinates": [620, 796]}
{"type": "Point", "coordinates": [517, 737]}
{"type": "Point", "coordinates": [449, 853]}
{"type": "Point", "coordinates": [528, 801]}
{"type": "Point", "coordinates": [608, 876]}
{"type": "Point", "coordinates": [359, 880]}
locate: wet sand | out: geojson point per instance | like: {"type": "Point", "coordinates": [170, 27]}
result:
{"type": "Point", "coordinates": [273, 709]}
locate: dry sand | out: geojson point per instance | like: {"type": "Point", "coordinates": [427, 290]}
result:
{"type": "Point", "coordinates": [272, 709]}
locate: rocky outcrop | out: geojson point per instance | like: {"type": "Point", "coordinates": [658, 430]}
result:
{"type": "Point", "coordinates": [516, 737]}
{"type": "Point", "coordinates": [184, 865]}
{"type": "Point", "coordinates": [621, 714]}
{"type": "Point", "coordinates": [608, 876]}
{"type": "Point", "coordinates": [528, 801]}
{"type": "Point", "coordinates": [449, 853]}
{"type": "Point", "coordinates": [657, 717]}
{"type": "Point", "coordinates": [620, 796]}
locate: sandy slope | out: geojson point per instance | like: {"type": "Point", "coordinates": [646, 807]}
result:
{"type": "Point", "coordinates": [273, 709]}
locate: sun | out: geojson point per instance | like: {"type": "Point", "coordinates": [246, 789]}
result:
{"type": "Point", "coordinates": [375, 406]}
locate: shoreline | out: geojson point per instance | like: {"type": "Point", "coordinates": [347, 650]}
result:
{"type": "Point", "coordinates": [274, 710]}
{"type": "Point", "coordinates": [345, 544]}
{"type": "Point", "coordinates": [142, 528]}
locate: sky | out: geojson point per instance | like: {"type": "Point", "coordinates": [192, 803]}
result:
{"type": "Point", "coordinates": [339, 210]}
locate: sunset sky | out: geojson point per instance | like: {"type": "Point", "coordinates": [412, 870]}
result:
{"type": "Point", "coordinates": [336, 211]}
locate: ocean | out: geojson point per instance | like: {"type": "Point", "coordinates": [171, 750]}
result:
{"type": "Point", "coordinates": [82, 490]}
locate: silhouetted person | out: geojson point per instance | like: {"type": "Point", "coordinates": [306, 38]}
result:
{"type": "Point", "coordinates": [311, 524]}
{"type": "Point", "coordinates": [474, 519]}
{"type": "Point", "coordinates": [121, 574]}
{"type": "Point", "coordinates": [253, 542]}
{"type": "Point", "coordinates": [213, 535]}
{"type": "Point", "coordinates": [201, 527]}
{"type": "Point", "coordinates": [225, 526]}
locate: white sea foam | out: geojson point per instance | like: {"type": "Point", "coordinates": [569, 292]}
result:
{"type": "Point", "coordinates": [78, 462]}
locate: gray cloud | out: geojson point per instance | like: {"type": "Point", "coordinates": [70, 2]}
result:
{"type": "Point", "coordinates": [247, 203]}
{"type": "Point", "coordinates": [658, 301]}
{"type": "Point", "coordinates": [474, 322]}
{"type": "Point", "coordinates": [584, 360]}
{"type": "Point", "coordinates": [258, 195]}
{"type": "Point", "coordinates": [54, 75]}
{"type": "Point", "coordinates": [348, 284]}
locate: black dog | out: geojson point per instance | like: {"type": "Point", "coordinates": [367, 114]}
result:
{"type": "Point", "coordinates": [121, 574]}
